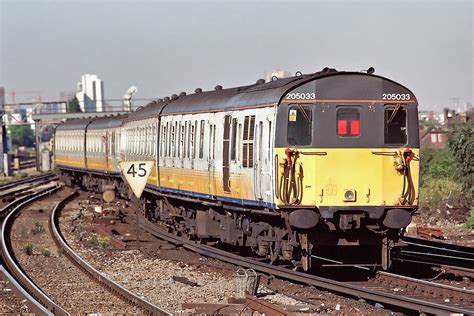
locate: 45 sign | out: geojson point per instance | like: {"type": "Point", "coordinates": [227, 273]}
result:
{"type": "Point", "coordinates": [141, 169]}
{"type": "Point", "coordinates": [136, 174]}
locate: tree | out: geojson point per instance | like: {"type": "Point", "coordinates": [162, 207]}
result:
{"type": "Point", "coordinates": [22, 135]}
{"type": "Point", "coordinates": [461, 144]}
{"type": "Point", "coordinates": [74, 106]}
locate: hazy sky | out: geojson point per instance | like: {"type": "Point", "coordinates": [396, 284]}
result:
{"type": "Point", "coordinates": [169, 47]}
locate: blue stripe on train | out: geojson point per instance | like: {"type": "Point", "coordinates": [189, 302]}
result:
{"type": "Point", "coordinates": [242, 202]}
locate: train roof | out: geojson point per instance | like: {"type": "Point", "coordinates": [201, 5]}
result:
{"type": "Point", "coordinates": [220, 99]}
{"type": "Point", "coordinates": [74, 124]}
{"type": "Point", "coordinates": [251, 96]}
{"type": "Point", "coordinates": [107, 122]}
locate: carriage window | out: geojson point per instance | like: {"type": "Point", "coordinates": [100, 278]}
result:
{"type": "Point", "coordinates": [172, 139]}
{"type": "Point", "coordinates": [234, 140]}
{"type": "Point", "coordinates": [181, 141]}
{"type": "Point", "coordinates": [395, 125]}
{"type": "Point", "coordinates": [192, 136]}
{"type": "Point", "coordinates": [348, 122]}
{"type": "Point", "coordinates": [269, 140]}
{"type": "Point", "coordinates": [201, 141]}
{"type": "Point", "coordinates": [212, 141]}
{"type": "Point", "coordinates": [187, 143]}
{"type": "Point", "coordinates": [247, 141]}
{"type": "Point", "coordinates": [300, 121]}
{"type": "Point", "coordinates": [163, 140]}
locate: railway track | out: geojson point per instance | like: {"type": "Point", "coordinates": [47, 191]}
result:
{"type": "Point", "coordinates": [388, 289]}
{"type": "Point", "coordinates": [20, 188]}
{"type": "Point", "coordinates": [91, 271]}
{"type": "Point", "coordinates": [27, 180]}
{"type": "Point", "coordinates": [36, 299]}
{"type": "Point", "coordinates": [447, 258]}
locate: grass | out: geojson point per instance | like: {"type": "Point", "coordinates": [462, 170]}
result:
{"type": "Point", "coordinates": [28, 249]}
{"type": "Point", "coordinates": [46, 252]}
{"type": "Point", "coordinates": [470, 220]}
{"type": "Point", "coordinates": [98, 240]}
{"type": "Point", "coordinates": [38, 228]}
{"type": "Point", "coordinates": [436, 193]}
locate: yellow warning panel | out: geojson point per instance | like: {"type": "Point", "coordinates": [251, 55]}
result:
{"type": "Point", "coordinates": [136, 174]}
{"type": "Point", "coordinates": [292, 116]}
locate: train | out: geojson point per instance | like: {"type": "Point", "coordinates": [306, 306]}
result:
{"type": "Point", "coordinates": [315, 170]}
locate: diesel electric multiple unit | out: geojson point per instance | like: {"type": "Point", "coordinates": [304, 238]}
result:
{"type": "Point", "coordinates": [314, 170]}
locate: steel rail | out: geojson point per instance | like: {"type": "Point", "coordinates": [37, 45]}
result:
{"type": "Point", "coordinates": [16, 192]}
{"type": "Point", "coordinates": [37, 300]}
{"type": "Point", "coordinates": [456, 270]}
{"type": "Point", "coordinates": [439, 246]}
{"type": "Point", "coordinates": [33, 304]}
{"type": "Point", "coordinates": [12, 184]}
{"type": "Point", "coordinates": [430, 287]}
{"type": "Point", "coordinates": [95, 274]}
{"type": "Point", "coordinates": [405, 302]}
{"type": "Point", "coordinates": [435, 253]}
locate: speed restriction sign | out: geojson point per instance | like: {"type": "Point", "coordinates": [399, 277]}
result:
{"type": "Point", "coordinates": [136, 174]}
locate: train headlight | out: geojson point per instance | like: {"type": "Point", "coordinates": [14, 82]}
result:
{"type": "Point", "coordinates": [349, 195]}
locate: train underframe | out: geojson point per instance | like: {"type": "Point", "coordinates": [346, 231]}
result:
{"type": "Point", "coordinates": [360, 242]}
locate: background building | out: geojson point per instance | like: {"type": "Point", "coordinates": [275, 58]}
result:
{"type": "Point", "coordinates": [90, 93]}
{"type": "Point", "coordinates": [277, 73]}
{"type": "Point", "coordinates": [2, 99]}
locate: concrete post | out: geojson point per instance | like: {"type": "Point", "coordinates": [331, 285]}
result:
{"type": "Point", "coordinates": [7, 164]}
{"type": "Point", "coordinates": [37, 145]}
{"type": "Point", "coordinates": [45, 160]}
{"type": "Point", "coordinates": [3, 144]}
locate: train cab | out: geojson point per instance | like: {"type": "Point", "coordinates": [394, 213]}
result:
{"type": "Point", "coordinates": [346, 160]}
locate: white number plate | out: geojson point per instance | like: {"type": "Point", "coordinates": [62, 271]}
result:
{"type": "Point", "coordinates": [396, 96]}
{"type": "Point", "coordinates": [300, 96]}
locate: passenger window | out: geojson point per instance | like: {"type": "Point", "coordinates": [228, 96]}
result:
{"type": "Point", "coordinates": [195, 127]}
{"type": "Point", "coordinates": [201, 140]}
{"type": "Point", "coordinates": [181, 141]}
{"type": "Point", "coordinates": [187, 143]}
{"type": "Point", "coordinates": [300, 125]}
{"type": "Point", "coordinates": [348, 122]}
{"type": "Point", "coordinates": [163, 141]}
{"type": "Point", "coordinates": [234, 140]}
{"type": "Point", "coordinates": [395, 125]}
{"type": "Point", "coordinates": [172, 139]}
{"type": "Point", "coordinates": [247, 141]}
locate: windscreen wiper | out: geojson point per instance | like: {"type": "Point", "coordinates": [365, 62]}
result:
{"type": "Point", "coordinates": [397, 107]}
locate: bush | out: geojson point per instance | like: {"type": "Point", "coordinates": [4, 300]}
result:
{"type": "Point", "coordinates": [97, 240]}
{"type": "Point", "coordinates": [437, 192]}
{"type": "Point", "coordinates": [38, 228]}
{"type": "Point", "coordinates": [46, 252]}
{"type": "Point", "coordinates": [437, 163]}
{"type": "Point", "coordinates": [28, 249]}
{"type": "Point", "coordinates": [461, 144]}
{"type": "Point", "coordinates": [470, 220]}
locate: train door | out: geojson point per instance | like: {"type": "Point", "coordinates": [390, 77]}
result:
{"type": "Point", "coordinates": [257, 166]}
{"type": "Point", "coordinates": [107, 149]}
{"type": "Point", "coordinates": [267, 156]}
{"type": "Point", "coordinates": [211, 157]}
{"type": "Point", "coordinates": [263, 155]}
{"type": "Point", "coordinates": [225, 154]}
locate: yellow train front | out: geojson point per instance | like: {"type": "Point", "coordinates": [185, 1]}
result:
{"type": "Point", "coordinates": [346, 161]}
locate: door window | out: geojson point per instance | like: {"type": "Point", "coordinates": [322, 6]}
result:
{"type": "Point", "coordinates": [300, 125]}
{"type": "Point", "coordinates": [395, 125]}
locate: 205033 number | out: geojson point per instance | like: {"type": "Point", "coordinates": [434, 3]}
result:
{"type": "Point", "coordinates": [396, 96]}
{"type": "Point", "coordinates": [141, 170]}
{"type": "Point", "coordinates": [300, 96]}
